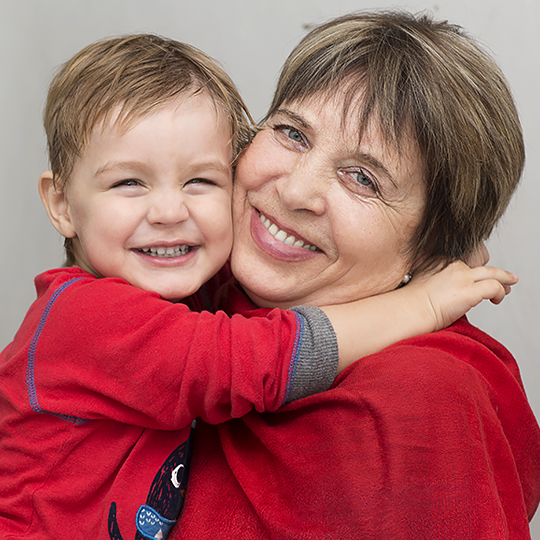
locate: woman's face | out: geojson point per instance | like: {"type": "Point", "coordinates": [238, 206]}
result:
{"type": "Point", "coordinates": [321, 218]}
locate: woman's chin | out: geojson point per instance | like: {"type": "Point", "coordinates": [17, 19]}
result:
{"type": "Point", "coordinates": [264, 288]}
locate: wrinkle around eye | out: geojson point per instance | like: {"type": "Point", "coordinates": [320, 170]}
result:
{"type": "Point", "coordinates": [284, 131]}
{"type": "Point", "coordinates": [371, 189]}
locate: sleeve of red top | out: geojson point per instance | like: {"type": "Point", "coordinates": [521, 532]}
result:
{"type": "Point", "coordinates": [110, 350]}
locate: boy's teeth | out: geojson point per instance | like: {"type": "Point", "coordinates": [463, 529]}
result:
{"type": "Point", "coordinates": [282, 236]}
{"type": "Point", "coordinates": [167, 252]}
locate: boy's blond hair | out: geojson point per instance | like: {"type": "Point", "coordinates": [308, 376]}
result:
{"type": "Point", "coordinates": [138, 74]}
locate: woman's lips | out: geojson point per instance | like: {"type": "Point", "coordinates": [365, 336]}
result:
{"type": "Point", "coordinates": [277, 242]}
{"type": "Point", "coordinates": [283, 236]}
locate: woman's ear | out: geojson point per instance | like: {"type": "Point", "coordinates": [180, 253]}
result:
{"type": "Point", "coordinates": [56, 204]}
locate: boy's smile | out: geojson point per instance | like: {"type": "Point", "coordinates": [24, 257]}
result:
{"type": "Point", "coordinates": [152, 204]}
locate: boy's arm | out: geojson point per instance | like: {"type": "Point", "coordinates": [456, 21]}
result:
{"type": "Point", "coordinates": [104, 349]}
{"type": "Point", "coordinates": [428, 303]}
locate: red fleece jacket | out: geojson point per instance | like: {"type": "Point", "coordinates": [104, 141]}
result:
{"type": "Point", "coordinates": [432, 438]}
{"type": "Point", "coordinates": [97, 394]}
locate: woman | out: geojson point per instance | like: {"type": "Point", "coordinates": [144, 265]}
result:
{"type": "Point", "coordinates": [392, 145]}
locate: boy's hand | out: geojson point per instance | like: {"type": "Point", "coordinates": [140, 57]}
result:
{"type": "Point", "coordinates": [480, 257]}
{"type": "Point", "coordinates": [430, 302]}
{"type": "Point", "coordinates": [453, 291]}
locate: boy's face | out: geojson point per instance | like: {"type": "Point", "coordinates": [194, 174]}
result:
{"type": "Point", "coordinates": [152, 205]}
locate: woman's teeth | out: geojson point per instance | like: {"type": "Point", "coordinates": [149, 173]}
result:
{"type": "Point", "coordinates": [166, 252]}
{"type": "Point", "coordinates": [282, 236]}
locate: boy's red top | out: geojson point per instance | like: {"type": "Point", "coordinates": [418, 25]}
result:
{"type": "Point", "coordinates": [97, 394]}
{"type": "Point", "coordinates": [432, 438]}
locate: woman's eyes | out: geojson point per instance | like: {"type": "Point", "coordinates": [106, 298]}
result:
{"type": "Point", "coordinates": [362, 178]}
{"type": "Point", "coordinates": [294, 135]}
{"type": "Point", "coordinates": [359, 179]}
{"type": "Point", "coordinates": [356, 178]}
{"type": "Point", "coordinates": [291, 133]}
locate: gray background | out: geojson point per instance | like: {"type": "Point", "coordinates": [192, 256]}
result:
{"type": "Point", "coordinates": [251, 38]}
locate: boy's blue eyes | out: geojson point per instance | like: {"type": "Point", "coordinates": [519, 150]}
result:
{"type": "Point", "coordinates": [129, 183]}
{"type": "Point", "coordinates": [199, 181]}
{"type": "Point", "coordinates": [133, 183]}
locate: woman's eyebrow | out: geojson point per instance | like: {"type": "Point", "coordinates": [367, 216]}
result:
{"type": "Point", "coordinates": [374, 162]}
{"type": "Point", "coordinates": [358, 154]}
{"type": "Point", "coordinates": [298, 119]}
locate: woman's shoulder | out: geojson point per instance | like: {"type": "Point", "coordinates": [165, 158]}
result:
{"type": "Point", "coordinates": [461, 359]}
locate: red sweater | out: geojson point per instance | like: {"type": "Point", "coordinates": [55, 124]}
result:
{"type": "Point", "coordinates": [97, 393]}
{"type": "Point", "coordinates": [430, 439]}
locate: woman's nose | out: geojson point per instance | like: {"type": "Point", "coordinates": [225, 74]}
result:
{"type": "Point", "coordinates": [303, 188]}
{"type": "Point", "coordinates": [167, 208]}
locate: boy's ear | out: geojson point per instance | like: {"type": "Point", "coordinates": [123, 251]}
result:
{"type": "Point", "coordinates": [57, 205]}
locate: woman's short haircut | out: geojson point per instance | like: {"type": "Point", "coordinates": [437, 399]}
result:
{"type": "Point", "coordinates": [410, 74]}
{"type": "Point", "coordinates": [133, 74]}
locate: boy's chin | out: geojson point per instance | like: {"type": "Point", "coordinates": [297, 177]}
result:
{"type": "Point", "coordinates": [176, 295]}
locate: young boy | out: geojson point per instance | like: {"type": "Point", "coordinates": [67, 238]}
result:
{"type": "Point", "coordinates": [102, 381]}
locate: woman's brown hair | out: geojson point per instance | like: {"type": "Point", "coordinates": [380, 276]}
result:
{"type": "Point", "coordinates": [412, 75]}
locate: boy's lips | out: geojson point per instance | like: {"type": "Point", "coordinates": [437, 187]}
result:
{"type": "Point", "coordinates": [166, 251]}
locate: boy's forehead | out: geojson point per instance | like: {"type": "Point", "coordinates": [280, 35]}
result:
{"type": "Point", "coordinates": [124, 115]}
{"type": "Point", "coordinates": [191, 121]}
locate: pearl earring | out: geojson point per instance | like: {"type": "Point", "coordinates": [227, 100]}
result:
{"type": "Point", "coordinates": [406, 278]}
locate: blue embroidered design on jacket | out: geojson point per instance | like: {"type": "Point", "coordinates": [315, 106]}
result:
{"type": "Point", "coordinates": [151, 525]}
{"type": "Point", "coordinates": [156, 518]}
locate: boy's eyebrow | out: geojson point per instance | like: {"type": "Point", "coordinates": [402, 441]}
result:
{"type": "Point", "coordinates": [217, 165]}
{"type": "Point", "coordinates": [140, 167]}
{"type": "Point", "coordinates": [123, 165]}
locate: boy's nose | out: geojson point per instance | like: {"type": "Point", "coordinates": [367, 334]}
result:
{"type": "Point", "coordinates": [168, 209]}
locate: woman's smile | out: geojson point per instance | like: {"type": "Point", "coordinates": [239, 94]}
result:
{"type": "Point", "coordinates": [319, 217]}
{"type": "Point", "coordinates": [282, 236]}
{"type": "Point", "coordinates": [278, 243]}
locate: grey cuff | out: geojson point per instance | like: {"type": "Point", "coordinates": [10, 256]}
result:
{"type": "Point", "coordinates": [317, 356]}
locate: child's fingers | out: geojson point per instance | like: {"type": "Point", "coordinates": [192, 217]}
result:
{"type": "Point", "coordinates": [499, 295]}
{"type": "Point", "coordinates": [480, 257]}
{"type": "Point", "coordinates": [491, 289]}
{"type": "Point", "coordinates": [504, 277]}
